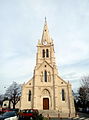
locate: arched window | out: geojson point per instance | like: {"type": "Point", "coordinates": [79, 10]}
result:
{"type": "Point", "coordinates": [45, 76]}
{"type": "Point", "coordinates": [43, 53]}
{"type": "Point", "coordinates": [47, 53]}
{"type": "Point", "coordinates": [29, 95]}
{"type": "Point", "coordinates": [63, 95]}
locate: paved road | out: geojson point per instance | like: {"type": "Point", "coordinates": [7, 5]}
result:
{"type": "Point", "coordinates": [82, 116]}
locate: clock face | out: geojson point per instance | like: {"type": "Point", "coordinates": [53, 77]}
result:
{"type": "Point", "coordinates": [45, 43]}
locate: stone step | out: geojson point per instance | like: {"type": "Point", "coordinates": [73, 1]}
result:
{"type": "Point", "coordinates": [49, 113]}
{"type": "Point", "coordinates": [54, 114]}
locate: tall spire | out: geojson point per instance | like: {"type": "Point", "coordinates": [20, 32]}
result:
{"type": "Point", "coordinates": [45, 36]}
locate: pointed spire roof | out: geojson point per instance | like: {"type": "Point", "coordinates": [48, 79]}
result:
{"type": "Point", "coordinates": [45, 35]}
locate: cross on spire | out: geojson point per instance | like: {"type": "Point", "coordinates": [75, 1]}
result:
{"type": "Point", "coordinates": [45, 20]}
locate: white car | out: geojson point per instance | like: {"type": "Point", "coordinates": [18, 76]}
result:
{"type": "Point", "coordinates": [9, 116]}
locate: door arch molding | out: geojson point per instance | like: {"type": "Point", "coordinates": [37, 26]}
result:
{"type": "Point", "coordinates": [46, 99]}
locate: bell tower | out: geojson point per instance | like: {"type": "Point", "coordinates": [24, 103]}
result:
{"type": "Point", "coordinates": [45, 48]}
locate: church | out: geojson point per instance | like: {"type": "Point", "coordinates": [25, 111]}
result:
{"type": "Point", "coordinates": [46, 90]}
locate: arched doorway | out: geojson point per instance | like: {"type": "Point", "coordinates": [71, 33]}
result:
{"type": "Point", "coordinates": [45, 103]}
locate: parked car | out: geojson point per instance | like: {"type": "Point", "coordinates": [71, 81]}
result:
{"type": "Point", "coordinates": [16, 110]}
{"type": "Point", "coordinates": [9, 116]}
{"type": "Point", "coordinates": [28, 114]}
{"type": "Point", "coordinates": [3, 110]}
{"type": "Point", "coordinates": [0, 110]}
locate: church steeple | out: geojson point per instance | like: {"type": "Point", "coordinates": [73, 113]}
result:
{"type": "Point", "coordinates": [45, 36]}
{"type": "Point", "coordinates": [45, 48]}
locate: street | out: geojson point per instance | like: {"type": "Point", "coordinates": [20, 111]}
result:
{"type": "Point", "coordinates": [82, 116]}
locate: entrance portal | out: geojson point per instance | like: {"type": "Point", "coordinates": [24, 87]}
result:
{"type": "Point", "coordinates": [45, 103]}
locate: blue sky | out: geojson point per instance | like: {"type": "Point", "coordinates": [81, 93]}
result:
{"type": "Point", "coordinates": [21, 26]}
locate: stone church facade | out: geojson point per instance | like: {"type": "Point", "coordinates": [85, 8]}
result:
{"type": "Point", "coordinates": [46, 91]}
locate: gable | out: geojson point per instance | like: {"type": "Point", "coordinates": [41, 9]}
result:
{"type": "Point", "coordinates": [61, 82]}
{"type": "Point", "coordinates": [44, 63]}
{"type": "Point", "coordinates": [44, 66]}
{"type": "Point", "coordinates": [28, 84]}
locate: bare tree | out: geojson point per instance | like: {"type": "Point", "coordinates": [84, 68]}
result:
{"type": "Point", "coordinates": [83, 92]}
{"type": "Point", "coordinates": [1, 99]}
{"type": "Point", "coordinates": [13, 93]}
{"type": "Point", "coordinates": [85, 85]}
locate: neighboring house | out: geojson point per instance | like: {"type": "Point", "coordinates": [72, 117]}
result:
{"type": "Point", "coordinates": [8, 104]}
{"type": "Point", "coordinates": [47, 91]}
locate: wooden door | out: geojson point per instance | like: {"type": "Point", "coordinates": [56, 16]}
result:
{"type": "Point", "coordinates": [45, 103]}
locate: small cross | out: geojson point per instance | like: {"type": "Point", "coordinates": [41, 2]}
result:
{"type": "Point", "coordinates": [45, 19]}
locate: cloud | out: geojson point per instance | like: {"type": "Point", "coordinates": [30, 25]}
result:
{"type": "Point", "coordinates": [74, 72]}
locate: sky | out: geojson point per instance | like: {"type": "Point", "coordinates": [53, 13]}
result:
{"type": "Point", "coordinates": [21, 26]}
